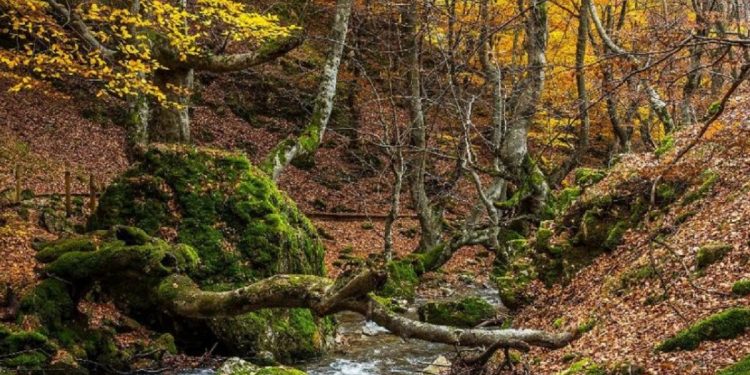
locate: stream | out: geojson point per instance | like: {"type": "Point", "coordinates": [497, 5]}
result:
{"type": "Point", "coordinates": [380, 352]}
{"type": "Point", "coordinates": [372, 350]}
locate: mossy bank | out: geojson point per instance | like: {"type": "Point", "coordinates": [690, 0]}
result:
{"type": "Point", "coordinates": [242, 228]}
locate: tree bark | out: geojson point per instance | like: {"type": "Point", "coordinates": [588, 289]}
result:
{"type": "Point", "coordinates": [171, 121]}
{"type": "Point", "coordinates": [429, 219]}
{"type": "Point", "coordinates": [323, 297]}
{"type": "Point", "coordinates": [583, 99]}
{"type": "Point", "coordinates": [308, 142]}
{"type": "Point", "coordinates": [658, 106]}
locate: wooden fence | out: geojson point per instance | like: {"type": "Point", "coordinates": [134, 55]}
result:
{"type": "Point", "coordinates": [93, 196]}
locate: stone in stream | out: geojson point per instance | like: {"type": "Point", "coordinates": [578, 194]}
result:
{"type": "Point", "coordinates": [466, 312]}
{"type": "Point", "coordinates": [439, 366]}
{"type": "Point", "coordinates": [237, 366]}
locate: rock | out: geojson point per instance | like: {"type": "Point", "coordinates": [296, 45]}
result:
{"type": "Point", "coordinates": [372, 329]}
{"type": "Point", "coordinates": [237, 366]}
{"type": "Point", "coordinates": [467, 312]}
{"type": "Point", "coordinates": [243, 229]}
{"type": "Point", "coordinates": [439, 366]}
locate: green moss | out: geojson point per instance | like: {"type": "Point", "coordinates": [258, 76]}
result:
{"type": "Point", "coordinates": [588, 176]}
{"type": "Point", "coordinates": [740, 368]}
{"type": "Point", "coordinates": [587, 326]}
{"type": "Point", "coordinates": [402, 279]}
{"type": "Point", "coordinates": [50, 301]}
{"type": "Point", "coordinates": [563, 199]}
{"type": "Point", "coordinates": [614, 235]}
{"type": "Point", "coordinates": [52, 250]}
{"type": "Point", "coordinates": [584, 366]}
{"type": "Point", "coordinates": [667, 144]}
{"type": "Point", "coordinates": [467, 312]}
{"type": "Point", "coordinates": [709, 180]}
{"type": "Point", "coordinates": [724, 325]}
{"type": "Point", "coordinates": [709, 254]}
{"type": "Point", "coordinates": [27, 350]}
{"type": "Point", "coordinates": [238, 225]}
{"type": "Point", "coordinates": [291, 335]}
{"type": "Point", "coordinates": [741, 288]}
{"type": "Point", "coordinates": [634, 277]}
{"type": "Point", "coordinates": [666, 193]}
{"type": "Point", "coordinates": [559, 322]}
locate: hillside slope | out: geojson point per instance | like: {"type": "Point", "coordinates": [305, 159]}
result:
{"type": "Point", "coordinates": [654, 284]}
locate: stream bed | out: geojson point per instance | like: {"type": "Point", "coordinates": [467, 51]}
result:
{"type": "Point", "coordinates": [379, 352]}
{"type": "Point", "coordinates": [372, 350]}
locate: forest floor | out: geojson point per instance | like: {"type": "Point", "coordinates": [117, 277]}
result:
{"type": "Point", "coordinates": [49, 133]}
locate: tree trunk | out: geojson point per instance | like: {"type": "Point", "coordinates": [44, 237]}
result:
{"type": "Point", "coordinates": [135, 266]}
{"type": "Point", "coordinates": [171, 121]}
{"type": "Point", "coordinates": [583, 99]}
{"type": "Point", "coordinates": [308, 142]}
{"type": "Point", "coordinates": [429, 219]}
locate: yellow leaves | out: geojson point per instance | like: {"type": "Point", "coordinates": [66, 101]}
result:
{"type": "Point", "coordinates": [48, 49]}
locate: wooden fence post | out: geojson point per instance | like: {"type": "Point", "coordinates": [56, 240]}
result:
{"type": "Point", "coordinates": [92, 193]}
{"type": "Point", "coordinates": [68, 206]}
{"type": "Point", "coordinates": [18, 183]}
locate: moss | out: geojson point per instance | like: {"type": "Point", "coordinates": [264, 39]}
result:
{"type": "Point", "coordinates": [233, 217]}
{"type": "Point", "coordinates": [588, 176]}
{"type": "Point", "coordinates": [614, 235]}
{"type": "Point", "coordinates": [740, 368]}
{"type": "Point", "coordinates": [724, 325]}
{"type": "Point", "coordinates": [666, 193]}
{"type": "Point", "coordinates": [683, 217]}
{"type": "Point", "coordinates": [709, 254]}
{"type": "Point", "coordinates": [402, 279]}
{"type": "Point", "coordinates": [27, 350]}
{"type": "Point", "coordinates": [667, 144]}
{"type": "Point", "coordinates": [467, 312]}
{"type": "Point", "coordinates": [563, 199]}
{"type": "Point", "coordinates": [634, 277]}
{"type": "Point", "coordinates": [52, 250]}
{"type": "Point", "coordinates": [741, 287]}
{"type": "Point", "coordinates": [587, 325]}
{"type": "Point", "coordinates": [50, 301]}
{"type": "Point", "coordinates": [291, 335]}
{"type": "Point", "coordinates": [709, 180]}
{"type": "Point", "coordinates": [584, 366]}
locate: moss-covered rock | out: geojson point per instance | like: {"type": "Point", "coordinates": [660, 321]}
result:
{"type": "Point", "coordinates": [588, 176]}
{"type": "Point", "coordinates": [241, 227]}
{"type": "Point", "coordinates": [709, 179]}
{"type": "Point", "coordinates": [711, 253]}
{"type": "Point", "coordinates": [466, 312]}
{"type": "Point", "coordinates": [741, 287]}
{"type": "Point", "coordinates": [724, 325]}
{"type": "Point", "coordinates": [236, 366]}
{"type": "Point", "coordinates": [584, 366]}
{"type": "Point", "coordinates": [24, 350]}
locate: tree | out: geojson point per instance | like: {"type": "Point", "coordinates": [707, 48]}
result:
{"type": "Point", "coordinates": [145, 51]}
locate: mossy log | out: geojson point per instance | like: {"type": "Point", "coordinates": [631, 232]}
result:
{"type": "Point", "coordinates": [128, 265]}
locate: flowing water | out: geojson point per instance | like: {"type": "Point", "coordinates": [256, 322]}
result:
{"type": "Point", "coordinates": [372, 350]}
{"type": "Point", "coordinates": [379, 352]}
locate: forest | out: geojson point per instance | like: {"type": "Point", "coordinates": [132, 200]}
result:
{"type": "Point", "coordinates": [348, 187]}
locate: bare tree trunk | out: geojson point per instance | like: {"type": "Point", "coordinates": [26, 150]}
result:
{"type": "Point", "coordinates": [397, 166]}
{"type": "Point", "coordinates": [429, 219]}
{"type": "Point", "coordinates": [583, 99]}
{"type": "Point", "coordinates": [658, 106]}
{"type": "Point", "coordinates": [523, 106]}
{"type": "Point", "coordinates": [308, 142]}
